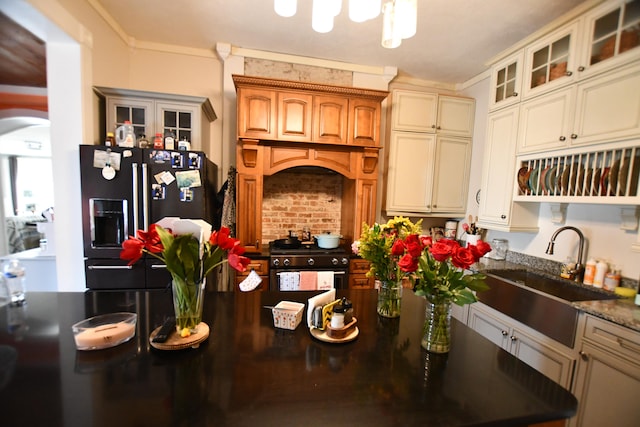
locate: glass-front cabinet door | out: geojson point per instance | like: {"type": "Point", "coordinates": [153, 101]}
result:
{"type": "Point", "coordinates": [612, 35]}
{"type": "Point", "coordinates": [138, 112]}
{"type": "Point", "coordinates": [179, 120]}
{"type": "Point", "coordinates": [506, 78]}
{"type": "Point", "coordinates": [551, 61]}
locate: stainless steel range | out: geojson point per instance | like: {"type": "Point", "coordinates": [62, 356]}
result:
{"type": "Point", "coordinates": [306, 259]}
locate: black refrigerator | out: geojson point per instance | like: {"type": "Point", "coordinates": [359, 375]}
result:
{"type": "Point", "coordinates": [126, 189]}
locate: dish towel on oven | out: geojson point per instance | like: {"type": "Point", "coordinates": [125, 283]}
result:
{"type": "Point", "coordinates": [325, 280]}
{"type": "Point", "coordinates": [289, 281]}
{"type": "Point", "coordinates": [308, 280]}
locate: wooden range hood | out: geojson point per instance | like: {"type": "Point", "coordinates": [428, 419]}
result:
{"type": "Point", "coordinates": [284, 124]}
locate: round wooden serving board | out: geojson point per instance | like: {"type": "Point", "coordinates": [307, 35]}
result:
{"type": "Point", "coordinates": [176, 342]}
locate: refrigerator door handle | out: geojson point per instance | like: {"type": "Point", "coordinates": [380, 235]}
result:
{"type": "Point", "coordinates": [134, 184]}
{"type": "Point", "coordinates": [110, 267]}
{"type": "Point", "coordinates": [145, 197]}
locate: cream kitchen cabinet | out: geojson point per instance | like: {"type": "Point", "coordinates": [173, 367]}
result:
{"type": "Point", "coordinates": [607, 107]}
{"type": "Point", "coordinates": [188, 117]}
{"type": "Point", "coordinates": [538, 351]}
{"type": "Point", "coordinates": [551, 61]}
{"type": "Point", "coordinates": [546, 121]}
{"type": "Point", "coordinates": [596, 110]}
{"type": "Point", "coordinates": [497, 209]}
{"type": "Point", "coordinates": [607, 381]}
{"type": "Point", "coordinates": [427, 173]}
{"type": "Point", "coordinates": [611, 37]}
{"type": "Point", "coordinates": [506, 81]}
{"type": "Point", "coordinates": [432, 113]}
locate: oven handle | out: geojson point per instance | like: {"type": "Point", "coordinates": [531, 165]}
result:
{"type": "Point", "coordinates": [335, 272]}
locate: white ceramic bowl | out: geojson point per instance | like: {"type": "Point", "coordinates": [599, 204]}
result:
{"type": "Point", "coordinates": [104, 331]}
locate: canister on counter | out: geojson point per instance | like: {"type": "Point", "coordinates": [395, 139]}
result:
{"type": "Point", "coordinates": [450, 229]}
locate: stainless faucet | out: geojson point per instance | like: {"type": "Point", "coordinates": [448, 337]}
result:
{"type": "Point", "coordinates": [579, 270]}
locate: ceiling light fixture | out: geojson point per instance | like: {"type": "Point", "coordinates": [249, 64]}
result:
{"type": "Point", "coordinates": [400, 17]}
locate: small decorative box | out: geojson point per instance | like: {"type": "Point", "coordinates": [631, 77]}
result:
{"type": "Point", "coordinates": [287, 314]}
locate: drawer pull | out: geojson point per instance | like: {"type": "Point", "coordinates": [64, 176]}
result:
{"type": "Point", "coordinates": [110, 267]}
{"type": "Point", "coordinates": [628, 346]}
{"type": "Point", "coordinates": [505, 333]}
{"type": "Point", "coordinates": [584, 356]}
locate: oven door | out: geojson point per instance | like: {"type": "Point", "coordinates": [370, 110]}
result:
{"type": "Point", "coordinates": [281, 280]}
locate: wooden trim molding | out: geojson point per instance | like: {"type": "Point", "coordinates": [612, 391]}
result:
{"type": "Point", "coordinates": [269, 83]}
{"type": "Point", "coordinates": [21, 101]}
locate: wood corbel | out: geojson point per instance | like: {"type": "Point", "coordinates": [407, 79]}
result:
{"type": "Point", "coordinates": [249, 151]}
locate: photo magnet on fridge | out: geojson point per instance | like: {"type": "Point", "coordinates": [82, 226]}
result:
{"type": "Point", "coordinates": [188, 179]}
{"type": "Point", "coordinates": [176, 160]}
{"type": "Point", "coordinates": [194, 161]}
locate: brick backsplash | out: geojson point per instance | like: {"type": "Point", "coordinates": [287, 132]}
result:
{"type": "Point", "coordinates": [293, 200]}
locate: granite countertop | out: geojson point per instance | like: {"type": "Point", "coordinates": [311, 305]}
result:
{"type": "Point", "coordinates": [621, 311]}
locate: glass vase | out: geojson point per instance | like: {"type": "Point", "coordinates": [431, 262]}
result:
{"type": "Point", "coordinates": [188, 298]}
{"type": "Point", "coordinates": [436, 334]}
{"type": "Point", "coordinates": [389, 298]}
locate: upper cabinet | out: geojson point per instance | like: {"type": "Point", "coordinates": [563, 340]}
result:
{"type": "Point", "coordinates": [430, 133]}
{"type": "Point", "coordinates": [188, 117]}
{"type": "Point", "coordinates": [432, 113]}
{"type": "Point", "coordinates": [289, 111]}
{"type": "Point", "coordinates": [506, 81]}
{"type": "Point", "coordinates": [551, 61]}
{"type": "Point", "coordinates": [611, 36]}
{"type": "Point", "coordinates": [578, 122]}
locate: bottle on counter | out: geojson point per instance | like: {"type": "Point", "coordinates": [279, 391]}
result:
{"type": "Point", "coordinates": [589, 272]}
{"type": "Point", "coordinates": [14, 280]}
{"type": "Point", "coordinates": [143, 142]}
{"type": "Point", "coordinates": [169, 140]}
{"type": "Point", "coordinates": [111, 140]}
{"type": "Point", "coordinates": [612, 279]}
{"type": "Point", "coordinates": [125, 135]}
{"type": "Point", "coordinates": [158, 143]}
{"type": "Point", "coordinates": [601, 270]}
{"type": "Point", "coordinates": [184, 144]}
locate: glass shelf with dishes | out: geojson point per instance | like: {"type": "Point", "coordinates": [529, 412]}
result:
{"type": "Point", "coordinates": [603, 176]}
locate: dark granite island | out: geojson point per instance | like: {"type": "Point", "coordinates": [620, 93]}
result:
{"type": "Point", "coordinates": [249, 374]}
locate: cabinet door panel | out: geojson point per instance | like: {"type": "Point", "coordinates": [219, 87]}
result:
{"type": "Point", "coordinates": [409, 181]}
{"type": "Point", "coordinates": [545, 122]}
{"type": "Point", "coordinates": [364, 122]}
{"type": "Point", "coordinates": [256, 113]}
{"type": "Point", "coordinates": [330, 123]}
{"type": "Point", "coordinates": [608, 108]}
{"type": "Point", "coordinates": [414, 111]}
{"type": "Point", "coordinates": [607, 390]}
{"type": "Point", "coordinates": [249, 211]}
{"type": "Point", "coordinates": [451, 174]}
{"type": "Point", "coordinates": [294, 116]}
{"type": "Point", "coordinates": [499, 166]}
{"type": "Point", "coordinates": [455, 116]}
{"type": "Point", "coordinates": [551, 363]}
{"type": "Point", "coordinates": [488, 326]}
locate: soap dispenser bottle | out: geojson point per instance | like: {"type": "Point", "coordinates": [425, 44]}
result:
{"type": "Point", "coordinates": [589, 272]}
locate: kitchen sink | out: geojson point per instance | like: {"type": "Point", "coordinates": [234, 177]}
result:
{"type": "Point", "coordinates": [538, 301]}
{"type": "Point", "coordinates": [557, 287]}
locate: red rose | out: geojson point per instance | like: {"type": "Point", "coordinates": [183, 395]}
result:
{"type": "Point", "coordinates": [414, 247]}
{"type": "Point", "coordinates": [463, 258]}
{"type": "Point", "coordinates": [398, 248]}
{"type": "Point", "coordinates": [408, 264]}
{"type": "Point", "coordinates": [440, 250]}
{"type": "Point", "coordinates": [426, 241]}
{"type": "Point", "coordinates": [479, 249]}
